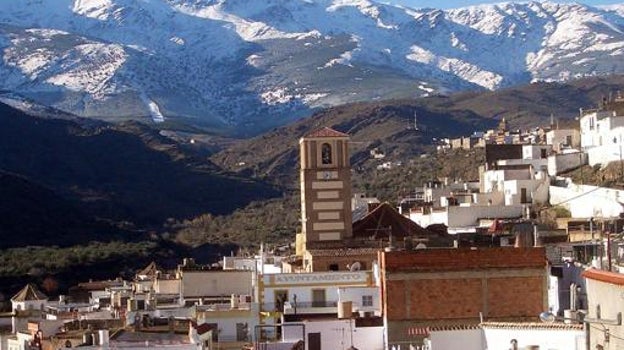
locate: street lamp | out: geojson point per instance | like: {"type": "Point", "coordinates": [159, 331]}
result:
{"type": "Point", "coordinates": [549, 317]}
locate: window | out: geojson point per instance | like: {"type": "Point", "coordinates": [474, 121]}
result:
{"type": "Point", "coordinates": [281, 297]}
{"type": "Point", "coordinates": [318, 298]}
{"type": "Point", "coordinates": [242, 331]}
{"type": "Point", "coordinates": [591, 123]}
{"type": "Point", "coordinates": [326, 154]}
{"type": "Point", "coordinates": [333, 267]}
{"type": "Point", "coordinates": [367, 300]}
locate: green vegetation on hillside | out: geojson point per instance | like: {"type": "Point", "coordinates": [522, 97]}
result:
{"type": "Point", "coordinates": [277, 220]}
{"type": "Point", "coordinates": [401, 180]}
{"type": "Point", "coordinates": [111, 197]}
{"type": "Point", "coordinates": [274, 221]}
{"type": "Point", "coordinates": [38, 260]}
{"type": "Point", "coordinates": [611, 175]}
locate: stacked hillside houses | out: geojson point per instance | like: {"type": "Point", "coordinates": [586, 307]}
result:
{"type": "Point", "coordinates": [462, 266]}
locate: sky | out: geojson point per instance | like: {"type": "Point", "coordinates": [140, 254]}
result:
{"type": "Point", "coordinates": [446, 4]}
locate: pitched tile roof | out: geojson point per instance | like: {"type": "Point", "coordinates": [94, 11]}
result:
{"type": "Point", "coordinates": [604, 276]}
{"type": "Point", "coordinates": [326, 132]}
{"type": "Point", "coordinates": [150, 270]}
{"type": "Point", "coordinates": [385, 220]}
{"type": "Point", "coordinates": [29, 293]}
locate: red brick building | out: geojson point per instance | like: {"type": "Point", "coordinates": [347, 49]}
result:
{"type": "Point", "coordinates": [431, 287]}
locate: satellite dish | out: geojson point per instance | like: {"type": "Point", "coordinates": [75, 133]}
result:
{"type": "Point", "coordinates": [547, 317]}
{"type": "Point", "coordinates": [356, 266]}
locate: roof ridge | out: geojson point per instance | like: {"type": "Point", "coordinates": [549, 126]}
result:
{"type": "Point", "coordinates": [30, 292]}
{"type": "Point", "coordinates": [326, 132]}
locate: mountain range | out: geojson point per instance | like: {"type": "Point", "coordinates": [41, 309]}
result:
{"type": "Point", "coordinates": [242, 67]}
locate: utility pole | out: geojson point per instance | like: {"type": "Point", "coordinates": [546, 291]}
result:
{"type": "Point", "coordinates": [615, 140]}
{"type": "Point", "coordinates": [609, 244]}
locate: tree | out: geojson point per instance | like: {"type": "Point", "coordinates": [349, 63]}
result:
{"type": "Point", "coordinates": [50, 285]}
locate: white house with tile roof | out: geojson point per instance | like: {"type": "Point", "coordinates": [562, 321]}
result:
{"type": "Point", "coordinates": [28, 298]}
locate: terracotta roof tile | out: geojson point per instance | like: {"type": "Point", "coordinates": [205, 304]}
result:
{"type": "Point", "coordinates": [385, 220]}
{"type": "Point", "coordinates": [604, 276]}
{"type": "Point", "coordinates": [326, 132]}
{"type": "Point", "coordinates": [29, 293]}
{"type": "Point", "coordinates": [150, 270]}
{"type": "Point", "coordinates": [532, 325]}
{"type": "Point", "coordinates": [453, 327]}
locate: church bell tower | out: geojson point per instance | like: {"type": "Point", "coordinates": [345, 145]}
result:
{"type": "Point", "coordinates": [325, 187]}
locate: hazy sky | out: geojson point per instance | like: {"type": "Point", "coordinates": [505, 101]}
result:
{"type": "Point", "coordinates": [445, 4]}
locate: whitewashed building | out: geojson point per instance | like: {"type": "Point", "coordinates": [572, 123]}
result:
{"type": "Point", "coordinates": [605, 305]}
{"type": "Point", "coordinates": [585, 201]}
{"type": "Point", "coordinates": [602, 132]}
{"type": "Point", "coordinates": [552, 336]}
{"type": "Point", "coordinates": [561, 139]}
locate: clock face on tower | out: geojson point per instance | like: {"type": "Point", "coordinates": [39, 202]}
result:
{"type": "Point", "coordinates": [326, 175]}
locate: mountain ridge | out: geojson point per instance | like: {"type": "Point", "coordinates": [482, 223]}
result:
{"type": "Point", "coordinates": [245, 67]}
{"type": "Point", "coordinates": [388, 125]}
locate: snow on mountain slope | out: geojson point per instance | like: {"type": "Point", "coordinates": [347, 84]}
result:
{"type": "Point", "coordinates": [259, 63]}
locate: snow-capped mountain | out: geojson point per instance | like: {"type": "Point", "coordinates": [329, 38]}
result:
{"type": "Point", "coordinates": [260, 63]}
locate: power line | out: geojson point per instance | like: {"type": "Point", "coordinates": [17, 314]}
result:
{"type": "Point", "coordinates": [579, 196]}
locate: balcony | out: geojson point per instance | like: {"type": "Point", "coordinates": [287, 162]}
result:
{"type": "Point", "coordinates": [310, 307]}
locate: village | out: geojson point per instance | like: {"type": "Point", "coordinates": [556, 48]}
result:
{"type": "Point", "coordinates": [456, 265]}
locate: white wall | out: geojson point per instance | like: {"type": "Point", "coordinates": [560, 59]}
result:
{"type": "Point", "coordinates": [468, 339]}
{"type": "Point", "coordinates": [228, 325]}
{"type": "Point", "coordinates": [610, 152]}
{"type": "Point", "coordinates": [490, 198]}
{"type": "Point", "coordinates": [468, 216]}
{"type": "Point", "coordinates": [536, 191]}
{"type": "Point", "coordinates": [336, 334]}
{"type": "Point", "coordinates": [558, 137]}
{"type": "Point", "coordinates": [559, 163]}
{"type": "Point", "coordinates": [216, 283]}
{"type": "Point", "coordinates": [585, 201]}
{"type": "Point", "coordinates": [494, 180]}
{"type": "Point", "coordinates": [437, 216]}
{"type": "Point", "coordinates": [550, 339]}
{"type": "Point", "coordinates": [609, 297]}
{"type": "Point", "coordinates": [537, 164]}
{"type": "Point", "coordinates": [167, 286]}
{"type": "Point", "coordinates": [355, 294]}
{"type": "Point", "coordinates": [302, 284]}
{"type": "Point", "coordinates": [463, 216]}
{"type": "Point", "coordinates": [29, 305]}
{"type": "Point", "coordinates": [598, 135]}
{"type": "Point", "coordinates": [434, 194]}
{"type": "Point", "coordinates": [534, 152]}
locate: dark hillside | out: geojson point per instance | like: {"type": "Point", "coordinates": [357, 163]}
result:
{"type": "Point", "coordinates": [124, 172]}
{"type": "Point", "coordinates": [35, 215]}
